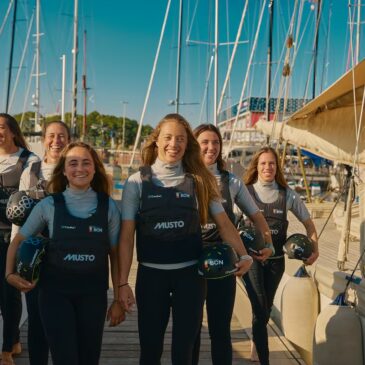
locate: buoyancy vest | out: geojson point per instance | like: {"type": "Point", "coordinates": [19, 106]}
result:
{"type": "Point", "coordinates": [168, 224]}
{"type": "Point", "coordinates": [77, 255]}
{"type": "Point", "coordinates": [210, 232]}
{"type": "Point", "coordinates": [9, 183]}
{"type": "Point", "coordinates": [276, 217]}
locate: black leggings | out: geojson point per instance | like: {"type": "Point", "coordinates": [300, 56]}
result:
{"type": "Point", "coordinates": [37, 343]}
{"type": "Point", "coordinates": [261, 284]}
{"type": "Point", "coordinates": [10, 300]}
{"type": "Point", "coordinates": [74, 325]}
{"type": "Point", "coordinates": [157, 291]}
{"type": "Point", "coordinates": [219, 303]}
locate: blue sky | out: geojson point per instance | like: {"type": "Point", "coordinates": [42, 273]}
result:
{"type": "Point", "coordinates": [122, 38]}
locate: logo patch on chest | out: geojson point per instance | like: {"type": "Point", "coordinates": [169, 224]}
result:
{"type": "Point", "coordinates": [154, 196]}
{"type": "Point", "coordinates": [68, 227]}
{"type": "Point", "coordinates": [169, 225]}
{"type": "Point", "coordinates": [79, 258]}
{"type": "Point", "coordinates": [180, 195]}
{"type": "Point", "coordinates": [95, 229]}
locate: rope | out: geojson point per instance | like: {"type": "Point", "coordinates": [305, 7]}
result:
{"type": "Point", "coordinates": [150, 84]}
{"type": "Point", "coordinates": [21, 62]}
{"type": "Point", "coordinates": [246, 77]}
{"type": "Point", "coordinates": [333, 209]}
{"type": "Point", "coordinates": [6, 16]}
{"type": "Point", "coordinates": [239, 31]}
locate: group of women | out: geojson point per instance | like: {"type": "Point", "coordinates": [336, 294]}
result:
{"type": "Point", "coordinates": [181, 199]}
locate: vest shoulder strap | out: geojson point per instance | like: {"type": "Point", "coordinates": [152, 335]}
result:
{"type": "Point", "coordinates": [35, 172]}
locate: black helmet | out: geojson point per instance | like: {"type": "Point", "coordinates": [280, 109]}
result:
{"type": "Point", "coordinates": [217, 261]}
{"type": "Point", "coordinates": [19, 206]}
{"type": "Point", "coordinates": [251, 238]}
{"type": "Point", "coordinates": [298, 246]}
{"type": "Point", "coordinates": [29, 257]}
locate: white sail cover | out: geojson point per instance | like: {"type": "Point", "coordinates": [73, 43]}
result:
{"type": "Point", "coordinates": [327, 126]}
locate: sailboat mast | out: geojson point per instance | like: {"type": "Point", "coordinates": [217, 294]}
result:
{"type": "Point", "coordinates": [63, 90]}
{"type": "Point", "coordinates": [315, 53]}
{"type": "Point", "coordinates": [215, 93]}
{"type": "Point", "coordinates": [37, 88]}
{"type": "Point", "coordinates": [178, 62]}
{"type": "Point", "coordinates": [84, 88]}
{"type": "Point", "coordinates": [358, 31]}
{"type": "Point", "coordinates": [74, 70]}
{"type": "Point", "coordinates": [11, 57]}
{"type": "Point", "coordinates": [269, 60]}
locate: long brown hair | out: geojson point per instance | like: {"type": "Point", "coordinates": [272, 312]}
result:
{"type": "Point", "coordinates": [251, 174]}
{"type": "Point", "coordinates": [212, 128]}
{"type": "Point", "coordinates": [59, 182]}
{"type": "Point", "coordinates": [13, 125]}
{"type": "Point", "coordinates": [206, 185]}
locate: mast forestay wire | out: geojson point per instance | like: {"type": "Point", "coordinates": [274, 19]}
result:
{"type": "Point", "coordinates": [136, 142]}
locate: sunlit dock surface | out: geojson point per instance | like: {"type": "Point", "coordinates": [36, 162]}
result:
{"type": "Point", "coordinates": [121, 344]}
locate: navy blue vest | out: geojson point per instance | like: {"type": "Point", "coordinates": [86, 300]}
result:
{"type": "Point", "coordinates": [168, 224]}
{"type": "Point", "coordinates": [210, 232]}
{"type": "Point", "coordinates": [276, 217]}
{"type": "Point", "coordinates": [77, 255]}
{"type": "Point", "coordinates": [9, 183]}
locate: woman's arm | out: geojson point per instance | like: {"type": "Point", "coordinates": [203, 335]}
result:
{"type": "Point", "coordinates": [125, 257]}
{"type": "Point", "coordinates": [229, 234]}
{"type": "Point", "coordinates": [10, 273]}
{"type": "Point", "coordinates": [312, 234]}
{"type": "Point", "coordinates": [116, 313]}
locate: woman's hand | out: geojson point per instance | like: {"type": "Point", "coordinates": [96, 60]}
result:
{"type": "Point", "coordinates": [265, 253]}
{"type": "Point", "coordinates": [18, 282]}
{"type": "Point", "coordinates": [126, 297]}
{"type": "Point", "coordinates": [116, 313]}
{"type": "Point", "coordinates": [312, 258]}
{"type": "Point", "coordinates": [243, 265]}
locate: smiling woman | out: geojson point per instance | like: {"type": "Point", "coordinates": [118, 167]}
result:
{"type": "Point", "coordinates": [33, 181]}
{"type": "Point", "coordinates": [83, 224]}
{"type": "Point", "coordinates": [164, 204]}
{"type": "Point", "coordinates": [79, 168]}
{"type": "Point", "coordinates": [266, 183]}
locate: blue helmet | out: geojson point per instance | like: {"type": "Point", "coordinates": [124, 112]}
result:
{"type": "Point", "coordinates": [251, 238]}
{"type": "Point", "coordinates": [217, 261]}
{"type": "Point", "coordinates": [29, 257]}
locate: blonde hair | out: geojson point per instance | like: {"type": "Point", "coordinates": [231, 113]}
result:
{"type": "Point", "coordinates": [205, 182]}
{"type": "Point", "coordinates": [59, 182]}
{"type": "Point", "coordinates": [251, 175]}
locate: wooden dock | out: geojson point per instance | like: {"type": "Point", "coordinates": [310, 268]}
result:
{"type": "Point", "coordinates": [121, 344]}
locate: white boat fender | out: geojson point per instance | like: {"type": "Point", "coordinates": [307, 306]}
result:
{"type": "Point", "coordinates": [299, 309]}
{"type": "Point", "coordinates": [338, 335]}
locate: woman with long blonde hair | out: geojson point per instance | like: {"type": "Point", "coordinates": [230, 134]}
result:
{"type": "Point", "coordinates": [266, 183]}
{"type": "Point", "coordinates": [164, 204]}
